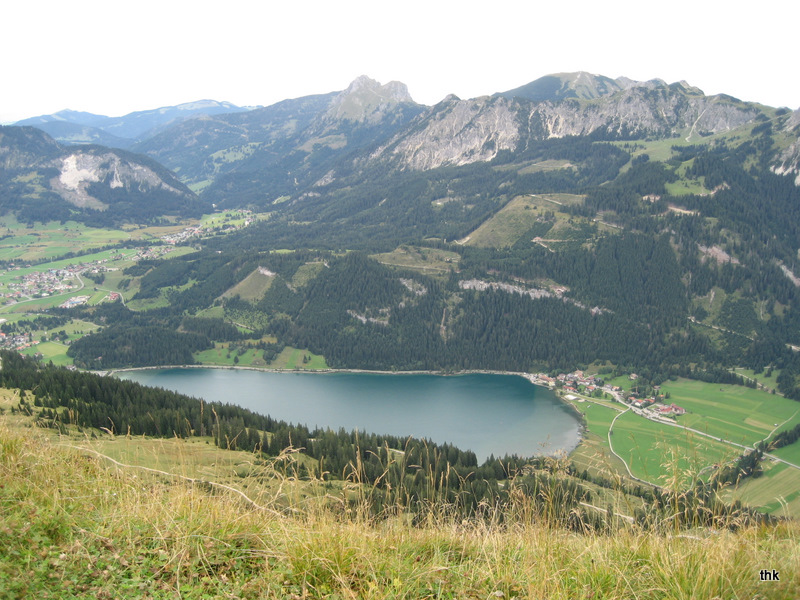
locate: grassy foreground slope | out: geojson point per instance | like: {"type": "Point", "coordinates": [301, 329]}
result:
{"type": "Point", "coordinates": [76, 525]}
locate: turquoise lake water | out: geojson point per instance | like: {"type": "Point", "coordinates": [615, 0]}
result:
{"type": "Point", "coordinates": [485, 413]}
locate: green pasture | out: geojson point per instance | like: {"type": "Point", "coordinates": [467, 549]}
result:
{"type": "Point", "coordinates": [55, 350]}
{"type": "Point", "coordinates": [546, 165]}
{"type": "Point", "coordinates": [431, 261]}
{"type": "Point", "coordinates": [623, 381]}
{"type": "Point", "coordinates": [732, 412]}
{"type": "Point", "coordinates": [659, 452]}
{"type": "Point", "coordinates": [114, 279]}
{"type": "Point", "coordinates": [151, 233]}
{"type": "Point", "coordinates": [305, 273]}
{"type": "Point", "coordinates": [777, 491]}
{"type": "Point", "coordinates": [593, 454]}
{"type": "Point", "coordinates": [668, 455]}
{"type": "Point", "coordinates": [510, 223]}
{"type": "Point", "coordinates": [18, 242]}
{"type": "Point", "coordinates": [50, 351]}
{"type": "Point", "coordinates": [790, 453]}
{"type": "Point", "coordinates": [76, 329]}
{"type": "Point", "coordinates": [533, 215]}
{"type": "Point", "coordinates": [212, 312]}
{"type": "Point", "coordinates": [251, 288]}
{"type": "Point", "coordinates": [662, 150]}
{"type": "Point", "coordinates": [768, 382]}
{"type": "Point", "coordinates": [559, 199]}
{"type": "Point", "coordinates": [38, 304]}
{"type": "Point", "coordinates": [140, 304]}
{"type": "Point", "coordinates": [292, 358]}
{"type": "Point", "coordinates": [21, 243]}
{"type": "Point", "coordinates": [221, 219]}
{"type": "Point", "coordinates": [597, 414]}
{"type": "Point", "coordinates": [685, 187]}
{"type": "Point", "coordinates": [52, 239]}
{"type": "Point", "coordinates": [224, 354]}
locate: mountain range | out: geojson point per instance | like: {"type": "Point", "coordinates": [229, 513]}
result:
{"type": "Point", "coordinates": [628, 210]}
{"type": "Point", "coordinates": [319, 156]}
{"type": "Point", "coordinates": [206, 140]}
{"type": "Point", "coordinates": [75, 127]}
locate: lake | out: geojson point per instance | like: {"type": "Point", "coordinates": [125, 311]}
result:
{"type": "Point", "coordinates": [485, 413]}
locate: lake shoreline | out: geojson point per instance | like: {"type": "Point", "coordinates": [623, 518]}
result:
{"type": "Point", "coordinates": [530, 377]}
{"type": "Point", "coordinates": [328, 370]}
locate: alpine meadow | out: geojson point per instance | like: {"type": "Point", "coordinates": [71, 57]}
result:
{"type": "Point", "coordinates": [632, 247]}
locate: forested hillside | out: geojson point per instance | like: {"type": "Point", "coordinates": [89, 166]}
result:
{"type": "Point", "coordinates": [577, 221]}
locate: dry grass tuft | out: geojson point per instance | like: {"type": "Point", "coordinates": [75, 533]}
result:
{"type": "Point", "coordinates": [73, 524]}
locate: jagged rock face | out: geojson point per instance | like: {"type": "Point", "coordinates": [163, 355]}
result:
{"type": "Point", "coordinates": [366, 100]}
{"type": "Point", "coordinates": [459, 132]}
{"type": "Point", "coordinates": [641, 111]}
{"type": "Point", "coordinates": [788, 162]}
{"type": "Point", "coordinates": [79, 170]}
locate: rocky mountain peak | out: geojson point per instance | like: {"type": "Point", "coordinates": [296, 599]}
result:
{"type": "Point", "coordinates": [558, 86]}
{"type": "Point", "coordinates": [627, 83]}
{"type": "Point", "coordinates": [367, 100]}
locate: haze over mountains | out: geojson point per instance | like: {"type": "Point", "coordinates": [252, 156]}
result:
{"type": "Point", "coordinates": [75, 127]}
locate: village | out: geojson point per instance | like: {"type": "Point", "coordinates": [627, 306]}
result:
{"type": "Point", "coordinates": [63, 281]}
{"type": "Point", "coordinates": [17, 341]}
{"type": "Point", "coordinates": [54, 282]}
{"type": "Point", "coordinates": [577, 384]}
{"type": "Point", "coordinates": [214, 228]}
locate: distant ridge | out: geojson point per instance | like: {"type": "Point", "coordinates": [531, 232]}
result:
{"type": "Point", "coordinates": [75, 127]}
{"type": "Point", "coordinates": [580, 84]}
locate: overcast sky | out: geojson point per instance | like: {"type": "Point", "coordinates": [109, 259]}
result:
{"type": "Point", "coordinates": [115, 57]}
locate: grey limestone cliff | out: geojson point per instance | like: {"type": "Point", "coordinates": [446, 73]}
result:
{"type": "Point", "coordinates": [458, 132]}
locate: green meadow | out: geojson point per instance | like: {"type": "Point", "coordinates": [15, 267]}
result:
{"type": "Point", "coordinates": [593, 453]}
{"type": "Point", "coordinates": [790, 453]}
{"type": "Point", "coordinates": [510, 223]}
{"type": "Point", "coordinates": [19, 242]}
{"type": "Point", "coordinates": [225, 354]}
{"type": "Point", "coordinates": [50, 240]}
{"type": "Point", "coordinates": [657, 452]}
{"type": "Point", "coordinates": [251, 288]}
{"type": "Point", "coordinates": [665, 455]}
{"type": "Point", "coordinates": [431, 261]}
{"type": "Point", "coordinates": [769, 382]}
{"type": "Point", "coordinates": [121, 254]}
{"type": "Point", "coordinates": [537, 216]}
{"type": "Point", "coordinates": [777, 491]}
{"type": "Point", "coordinates": [733, 412]}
